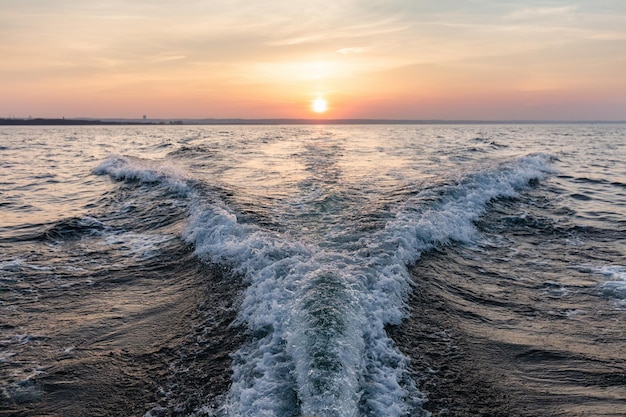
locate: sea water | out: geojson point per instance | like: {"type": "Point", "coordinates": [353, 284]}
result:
{"type": "Point", "coordinates": [297, 249]}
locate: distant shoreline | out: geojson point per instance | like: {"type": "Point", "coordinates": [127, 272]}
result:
{"type": "Point", "coordinates": [152, 122]}
{"type": "Point", "coordinates": [63, 122]}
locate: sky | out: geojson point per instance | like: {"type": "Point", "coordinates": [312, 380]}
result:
{"type": "Point", "coordinates": [391, 59]}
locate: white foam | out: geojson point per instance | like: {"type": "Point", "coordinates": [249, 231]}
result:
{"type": "Point", "coordinates": [14, 265]}
{"type": "Point", "coordinates": [17, 265]}
{"type": "Point", "coordinates": [316, 315]}
{"type": "Point", "coordinates": [572, 314]}
{"type": "Point", "coordinates": [129, 169]}
{"type": "Point", "coordinates": [616, 285]}
{"type": "Point", "coordinates": [138, 245]}
{"type": "Point", "coordinates": [337, 367]}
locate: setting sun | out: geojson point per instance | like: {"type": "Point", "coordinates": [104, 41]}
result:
{"type": "Point", "coordinates": [319, 105]}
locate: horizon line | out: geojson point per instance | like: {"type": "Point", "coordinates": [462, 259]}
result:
{"type": "Point", "coordinates": [41, 121]}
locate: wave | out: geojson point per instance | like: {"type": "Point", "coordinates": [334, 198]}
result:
{"type": "Point", "coordinates": [74, 228]}
{"type": "Point", "coordinates": [316, 315]}
{"type": "Point", "coordinates": [123, 168]}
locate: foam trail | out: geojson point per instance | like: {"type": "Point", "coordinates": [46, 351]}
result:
{"type": "Point", "coordinates": [305, 309]}
{"type": "Point", "coordinates": [327, 336]}
{"type": "Point", "coordinates": [317, 316]}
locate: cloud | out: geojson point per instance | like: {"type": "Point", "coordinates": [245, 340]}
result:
{"type": "Point", "coordinates": [168, 58]}
{"type": "Point", "coordinates": [353, 50]}
{"type": "Point", "coordinates": [336, 31]}
{"type": "Point", "coordinates": [608, 36]}
{"type": "Point", "coordinates": [533, 13]}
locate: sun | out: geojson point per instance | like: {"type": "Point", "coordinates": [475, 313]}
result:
{"type": "Point", "coordinates": [319, 105]}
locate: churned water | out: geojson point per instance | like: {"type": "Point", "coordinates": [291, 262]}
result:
{"type": "Point", "coordinates": [389, 270]}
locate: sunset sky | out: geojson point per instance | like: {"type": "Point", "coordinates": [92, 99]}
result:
{"type": "Point", "coordinates": [391, 59]}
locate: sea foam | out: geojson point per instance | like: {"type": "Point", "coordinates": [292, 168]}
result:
{"type": "Point", "coordinates": [316, 316]}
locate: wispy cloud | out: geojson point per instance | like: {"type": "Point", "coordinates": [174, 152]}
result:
{"type": "Point", "coordinates": [531, 13]}
{"type": "Point", "coordinates": [353, 50]}
{"type": "Point", "coordinates": [608, 36]}
{"type": "Point", "coordinates": [370, 29]}
{"type": "Point", "coordinates": [166, 58]}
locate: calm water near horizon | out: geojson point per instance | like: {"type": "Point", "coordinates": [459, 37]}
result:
{"type": "Point", "coordinates": [313, 270]}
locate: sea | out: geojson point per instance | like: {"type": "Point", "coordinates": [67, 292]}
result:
{"type": "Point", "coordinates": [313, 270]}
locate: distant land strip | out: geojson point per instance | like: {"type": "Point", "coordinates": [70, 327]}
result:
{"type": "Point", "coordinates": [107, 122]}
{"type": "Point", "coordinates": [68, 122]}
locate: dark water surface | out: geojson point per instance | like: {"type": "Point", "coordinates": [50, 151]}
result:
{"type": "Point", "coordinates": [313, 270]}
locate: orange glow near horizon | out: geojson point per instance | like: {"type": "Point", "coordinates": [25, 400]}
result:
{"type": "Point", "coordinates": [395, 60]}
